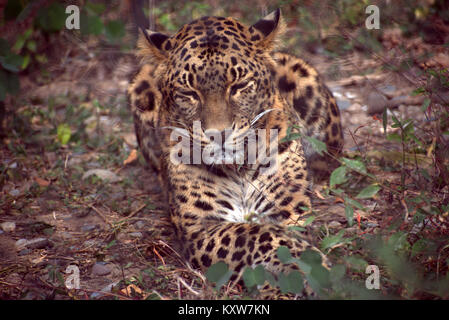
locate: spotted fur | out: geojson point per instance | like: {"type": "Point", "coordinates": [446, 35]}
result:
{"type": "Point", "coordinates": [225, 74]}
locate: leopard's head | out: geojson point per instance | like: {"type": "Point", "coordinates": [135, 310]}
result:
{"type": "Point", "coordinates": [215, 76]}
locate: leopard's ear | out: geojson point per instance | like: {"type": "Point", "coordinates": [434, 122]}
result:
{"type": "Point", "coordinates": [269, 28]}
{"type": "Point", "coordinates": [154, 45]}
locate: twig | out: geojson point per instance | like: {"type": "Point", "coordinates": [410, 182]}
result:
{"type": "Point", "coordinates": [405, 206]}
{"type": "Point", "coordinates": [196, 293]}
{"type": "Point", "coordinates": [438, 261]}
{"type": "Point", "coordinates": [133, 213]}
{"type": "Point", "coordinates": [101, 215]}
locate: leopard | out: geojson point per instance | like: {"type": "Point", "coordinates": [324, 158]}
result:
{"type": "Point", "coordinates": [229, 78]}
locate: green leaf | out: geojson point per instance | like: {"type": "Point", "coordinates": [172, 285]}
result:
{"type": "Point", "coordinates": [354, 165]}
{"type": "Point", "coordinates": [338, 176]}
{"type": "Point", "coordinates": [9, 84]}
{"type": "Point", "coordinates": [296, 282]}
{"type": "Point", "coordinates": [248, 278]}
{"type": "Point", "coordinates": [317, 145]}
{"type": "Point", "coordinates": [260, 274]}
{"type": "Point", "coordinates": [394, 137]}
{"type": "Point", "coordinates": [368, 192]}
{"type": "Point", "coordinates": [12, 9]}
{"type": "Point", "coordinates": [283, 283]}
{"type": "Point", "coordinates": [20, 42]}
{"type": "Point", "coordinates": [12, 62]}
{"type": "Point", "coordinates": [26, 61]}
{"type": "Point", "coordinates": [13, 85]}
{"type": "Point", "coordinates": [319, 278]}
{"type": "Point", "coordinates": [4, 47]}
{"type": "Point", "coordinates": [398, 241]}
{"type": "Point", "coordinates": [349, 213]}
{"type": "Point", "coordinates": [3, 85]}
{"type": "Point", "coordinates": [110, 244]}
{"type": "Point", "coordinates": [253, 277]}
{"type": "Point", "coordinates": [32, 46]}
{"type": "Point", "coordinates": [425, 104]}
{"type": "Point", "coordinates": [331, 241]}
{"type": "Point", "coordinates": [354, 203]}
{"type": "Point", "coordinates": [396, 122]}
{"type": "Point", "coordinates": [418, 247]}
{"type": "Point", "coordinates": [90, 25]}
{"type": "Point", "coordinates": [95, 8]}
{"type": "Point", "coordinates": [25, 12]}
{"type": "Point", "coordinates": [114, 30]}
{"type": "Point", "coordinates": [64, 133]}
{"type": "Point", "coordinates": [219, 273]}
{"type": "Point", "coordinates": [309, 220]}
{"type": "Point", "coordinates": [284, 254]}
{"type": "Point", "coordinates": [408, 127]}
{"type": "Point", "coordinates": [51, 18]}
{"type": "Point", "coordinates": [418, 91]}
{"type": "Point", "coordinates": [311, 257]}
{"type": "Point", "coordinates": [356, 263]}
{"type": "Point", "coordinates": [291, 136]}
{"type": "Point", "coordinates": [337, 273]}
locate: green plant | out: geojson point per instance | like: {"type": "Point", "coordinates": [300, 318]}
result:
{"type": "Point", "coordinates": [11, 64]}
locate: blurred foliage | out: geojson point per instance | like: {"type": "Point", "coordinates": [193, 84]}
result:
{"type": "Point", "coordinates": [26, 48]}
{"type": "Point", "coordinates": [316, 26]}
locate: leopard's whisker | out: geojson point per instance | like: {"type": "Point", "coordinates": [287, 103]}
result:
{"type": "Point", "coordinates": [260, 115]}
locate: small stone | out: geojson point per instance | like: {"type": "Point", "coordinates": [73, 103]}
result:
{"type": "Point", "coordinates": [14, 192]}
{"type": "Point", "coordinates": [376, 102]}
{"type": "Point", "coordinates": [117, 195]}
{"type": "Point", "coordinates": [21, 243]}
{"type": "Point", "coordinates": [99, 269]}
{"type": "Point", "coordinates": [334, 224]}
{"type": "Point", "coordinates": [136, 234]}
{"type": "Point", "coordinates": [66, 235]}
{"type": "Point", "coordinates": [388, 88]}
{"type": "Point", "coordinates": [140, 224]}
{"type": "Point", "coordinates": [108, 288]}
{"type": "Point", "coordinates": [371, 225]}
{"type": "Point", "coordinates": [343, 104]}
{"type": "Point", "coordinates": [37, 243]}
{"type": "Point", "coordinates": [88, 227]}
{"type": "Point", "coordinates": [8, 226]}
{"type": "Point", "coordinates": [103, 174]}
{"type": "Point", "coordinates": [95, 295]}
{"type": "Point", "coordinates": [24, 252]}
{"type": "Point", "coordinates": [355, 107]}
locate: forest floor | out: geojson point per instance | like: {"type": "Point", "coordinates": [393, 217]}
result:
{"type": "Point", "coordinates": [93, 204]}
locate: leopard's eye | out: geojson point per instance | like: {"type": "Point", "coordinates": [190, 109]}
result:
{"type": "Point", "coordinates": [189, 97]}
{"type": "Point", "coordinates": [240, 87]}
